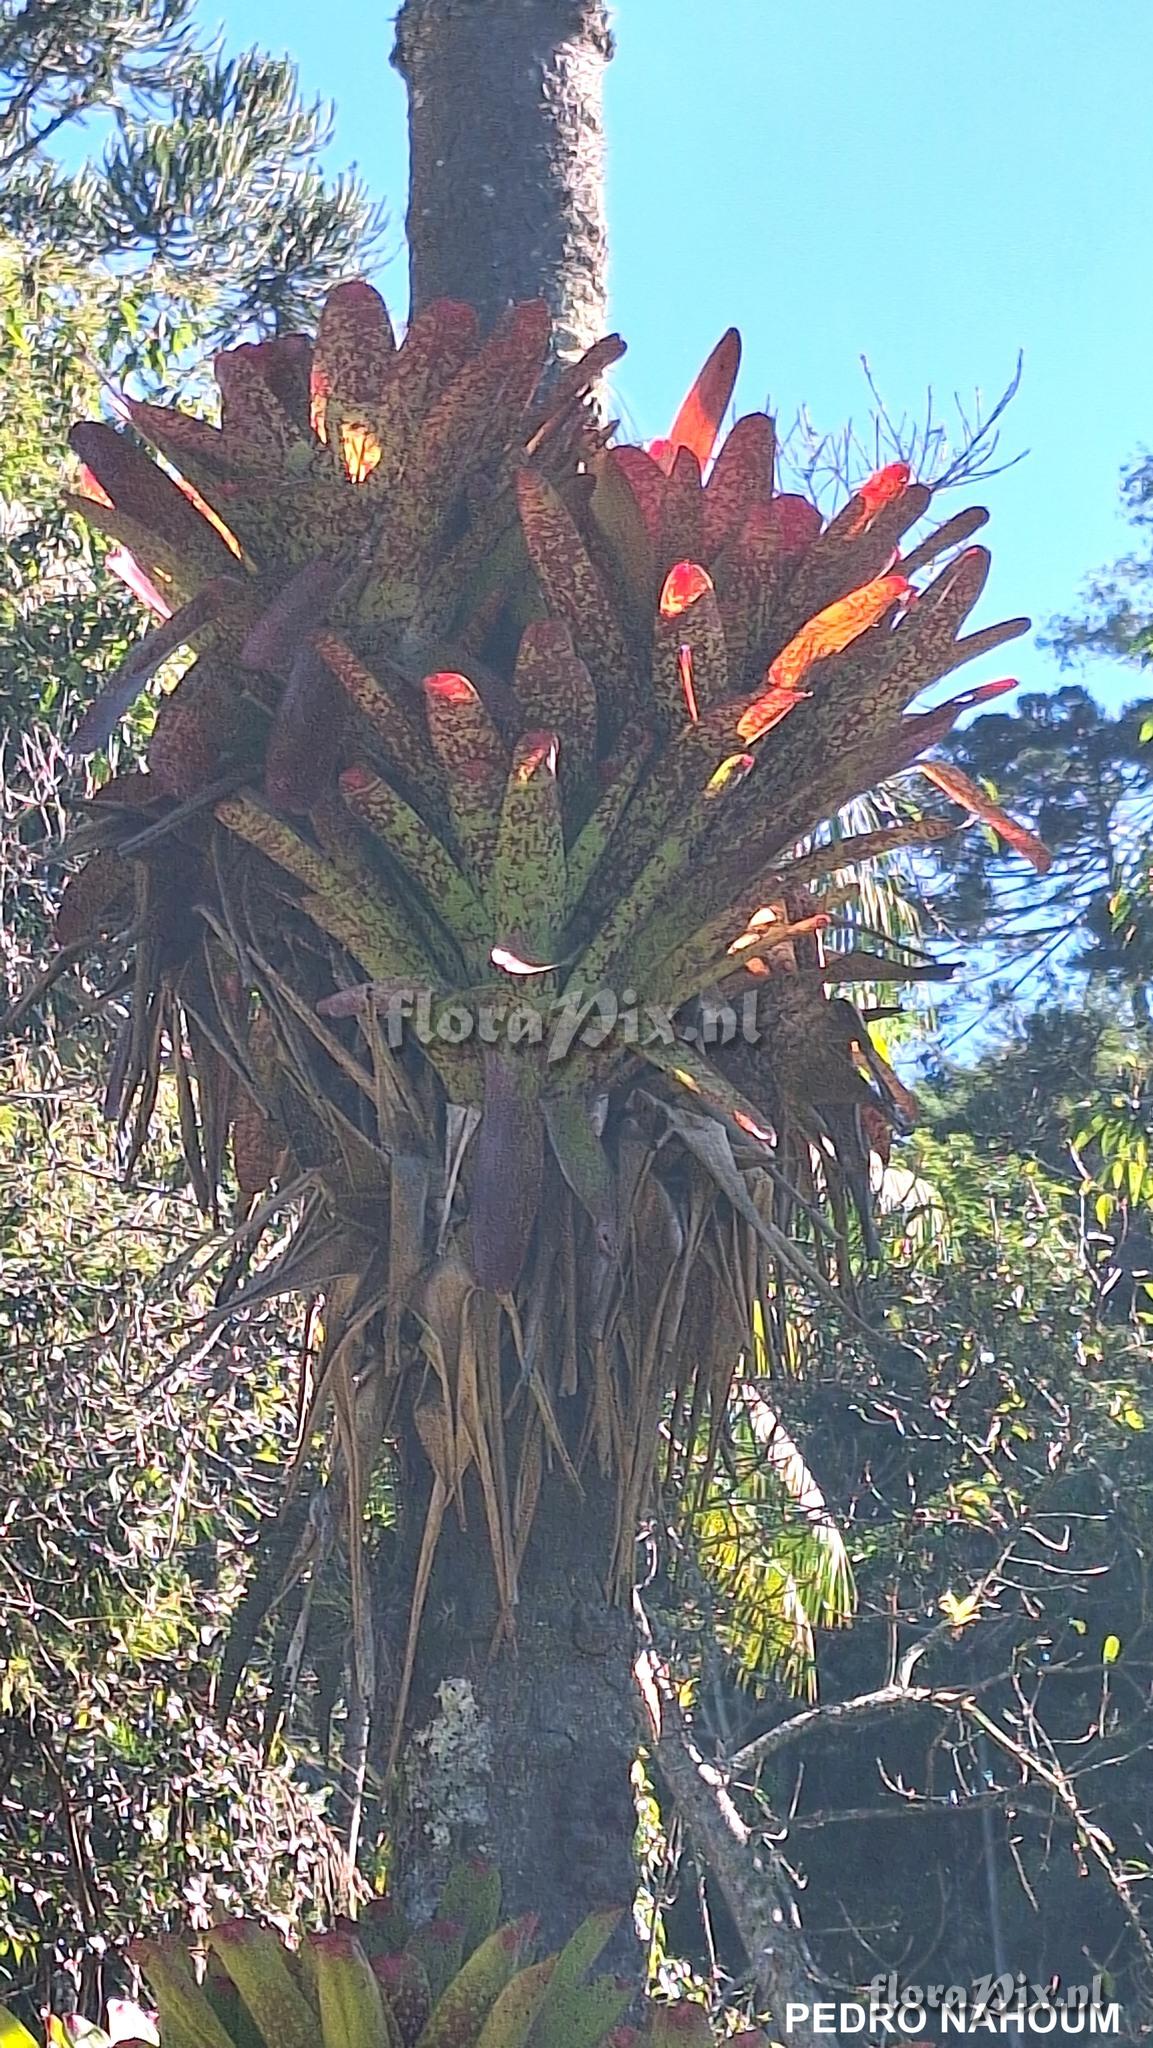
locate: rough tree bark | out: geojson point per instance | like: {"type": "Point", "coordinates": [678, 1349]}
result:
{"type": "Point", "coordinates": [506, 144]}
{"type": "Point", "coordinates": [525, 1754]}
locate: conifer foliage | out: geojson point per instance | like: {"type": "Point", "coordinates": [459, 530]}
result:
{"type": "Point", "coordinates": [202, 162]}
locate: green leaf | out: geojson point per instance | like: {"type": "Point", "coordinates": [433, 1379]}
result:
{"type": "Point", "coordinates": [471, 1896]}
{"type": "Point", "coordinates": [960, 1609]}
{"type": "Point", "coordinates": [526, 896]}
{"type": "Point", "coordinates": [583, 1947]}
{"type": "Point", "coordinates": [12, 2033]}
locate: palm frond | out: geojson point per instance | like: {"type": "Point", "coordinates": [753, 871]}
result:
{"type": "Point", "coordinates": [771, 1550]}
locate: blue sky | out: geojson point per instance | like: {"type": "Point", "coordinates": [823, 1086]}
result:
{"type": "Point", "coordinates": [935, 188]}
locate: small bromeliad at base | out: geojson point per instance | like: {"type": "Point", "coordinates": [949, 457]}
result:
{"type": "Point", "coordinates": [462, 1980]}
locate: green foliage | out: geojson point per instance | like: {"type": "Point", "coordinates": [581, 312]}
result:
{"type": "Point", "coordinates": [1031, 1084]}
{"type": "Point", "coordinates": [1116, 1135]}
{"type": "Point", "coordinates": [367, 1984]}
{"type": "Point", "coordinates": [65, 326]}
{"type": "Point", "coordinates": [1073, 1084]}
{"type": "Point", "coordinates": [1114, 615]}
{"type": "Point", "coordinates": [208, 162]}
{"type": "Point", "coordinates": [136, 1470]}
{"type": "Point", "coordinates": [986, 1460]}
{"type": "Point", "coordinates": [770, 1553]}
{"type": "Point", "coordinates": [1080, 778]}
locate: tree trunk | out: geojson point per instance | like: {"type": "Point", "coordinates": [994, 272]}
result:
{"type": "Point", "coordinates": [506, 143]}
{"type": "Point", "coordinates": [524, 1754]}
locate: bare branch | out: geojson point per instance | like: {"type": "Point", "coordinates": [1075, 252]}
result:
{"type": "Point", "coordinates": [748, 1869]}
{"type": "Point", "coordinates": [830, 466]}
{"type": "Point", "coordinates": [869, 1706]}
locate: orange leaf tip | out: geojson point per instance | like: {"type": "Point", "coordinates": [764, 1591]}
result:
{"type": "Point", "coordinates": [983, 693]}
{"type": "Point", "coordinates": [834, 628]}
{"type": "Point", "coordinates": [684, 584]}
{"type": "Point", "coordinates": [880, 489]}
{"type": "Point", "coordinates": [451, 688]}
{"type": "Point", "coordinates": [206, 512]}
{"type": "Point", "coordinates": [360, 451]}
{"type": "Point", "coordinates": [698, 422]}
{"type": "Point", "coordinates": [91, 487]}
{"type": "Point", "coordinates": [761, 924]}
{"type": "Point", "coordinates": [768, 710]}
{"type": "Point", "coordinates": [962, 790]}
{"type": "Point", "coordinates": [127, 570]}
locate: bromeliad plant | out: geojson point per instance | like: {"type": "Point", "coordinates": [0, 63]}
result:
{"type": "Point", "coordinates": [458, 1981]}
{"type": "Point", "coordinates": [497, 721]}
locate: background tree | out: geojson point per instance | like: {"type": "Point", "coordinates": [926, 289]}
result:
{"type": "Point", "coordinates": [987, 1462]}
{"type": "Point", "coordinates": [1081, 777]}
{"type": "Point", "coordinates": [133, 1479]}
{"type": "Point", "coordinates": [207, 164]}
{"type": "Point", "coordinates": [1114, 612]}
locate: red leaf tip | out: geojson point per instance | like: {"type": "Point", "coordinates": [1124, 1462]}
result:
{"type": "Point", "coordinates": [882, 487]}
{"type": "Point", "coordinates": [698, 422]}
{"type": "Point", "coordinates": [451, 688]}
{"type": "Point", "coordinates": [684, 584]}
